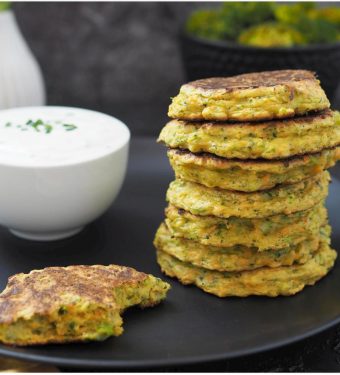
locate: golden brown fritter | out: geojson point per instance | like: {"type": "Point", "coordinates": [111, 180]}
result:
{"type": "Point", "coordinates": [250, 97]}
{"type": "Point", "coordinates": [235, 258]}
{"type": "Point", "coordinates": [267, 140]}
{"type": "Point", "coordinates": [75, 303]}
{"type": "Point", "coordinates": [273, 232]}
{"type": "Point", "coordinates": [283, 199]}
{"type": "Point", "coordinates": [248, 175]}
{"type": "Point", "coordinates": [265, 281]}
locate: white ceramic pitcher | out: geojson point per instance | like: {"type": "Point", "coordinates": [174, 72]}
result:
{"type": "Point", "coordinates": [21, 81]}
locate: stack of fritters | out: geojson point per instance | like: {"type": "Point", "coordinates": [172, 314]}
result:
{"type": "Point", "coordinates": [246, 212]}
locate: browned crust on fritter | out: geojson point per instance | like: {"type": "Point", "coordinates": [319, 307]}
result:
{"type": "Point", "coordinates": [308, 118]}
{"type": "Point", "coordinates": [44, 289]}
{"type": "Point", "coordinates": [316, 180]}
{"type": "Point", "coordinates": [254, 80]}
{"type": "Point", "coordinates": [220, 161]}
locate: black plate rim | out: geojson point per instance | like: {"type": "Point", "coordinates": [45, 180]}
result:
{"type": "Point", "coordinates": [140, 364]}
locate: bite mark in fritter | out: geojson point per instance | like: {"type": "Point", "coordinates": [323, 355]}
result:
{"type": "Point", "coordinates": [75, 303]}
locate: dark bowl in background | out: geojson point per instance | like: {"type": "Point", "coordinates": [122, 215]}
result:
{"type": "Point", "coordinates": [204, 58]}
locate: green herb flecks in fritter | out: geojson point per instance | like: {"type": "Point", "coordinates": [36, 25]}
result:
{"type": "Point", "coordinates": [235, 258]}
{"type": "Point", "coordinates": [266, 140]}
{"type": "Point", "coordinates": [250, 97]}
{"type": "Point", "coordinates": [283, 199]}
{"type": "Point", "coordinates": [272, 232]}
{"type": "Point", "coordinates": [75, 303]}
{"type": "Point", "coordinates": [248, 175]}
{"type": "Point", "coordinates": [271, 282]}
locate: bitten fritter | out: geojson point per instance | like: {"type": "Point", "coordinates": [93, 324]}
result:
{"type": "Point", "coordinates": [283, 199]}
{"type": "Point", "coordinates": [265, 281]}
{"type": "Point", "coordinates": [267, 140]}
{"type": "Point", "coordinates": [75, 303]}
{"type": "Point", "coordinates": [248, 175]}
{"type": "Point", "coordinates": [250, 97]}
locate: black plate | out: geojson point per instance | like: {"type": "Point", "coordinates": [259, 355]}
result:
{"type": "Point", "coordinates": [191, 326]}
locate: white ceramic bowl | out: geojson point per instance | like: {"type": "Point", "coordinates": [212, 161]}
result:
{"type": "Point", "coordinates": [54, 182]}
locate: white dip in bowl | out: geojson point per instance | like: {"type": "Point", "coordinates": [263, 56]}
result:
{"type": "Point", "coordinates": [60, 169]}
